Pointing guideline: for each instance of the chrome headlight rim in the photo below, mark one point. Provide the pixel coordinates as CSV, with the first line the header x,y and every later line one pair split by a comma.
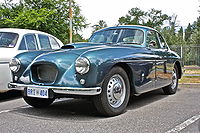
x,y
82,65
15,65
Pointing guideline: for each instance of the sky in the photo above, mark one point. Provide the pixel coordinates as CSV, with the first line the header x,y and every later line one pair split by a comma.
x,y
111,10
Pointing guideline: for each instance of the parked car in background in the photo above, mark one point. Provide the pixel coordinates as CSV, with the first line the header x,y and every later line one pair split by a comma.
x,y
116,62
15,41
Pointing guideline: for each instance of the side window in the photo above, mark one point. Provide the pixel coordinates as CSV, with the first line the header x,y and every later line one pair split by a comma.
x,y
28,42
54,43
22,45
152,39
31,42
162,41
44,41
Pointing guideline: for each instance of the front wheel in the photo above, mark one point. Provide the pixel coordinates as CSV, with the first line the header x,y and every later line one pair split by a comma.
x,y
115,93
172,88
38,102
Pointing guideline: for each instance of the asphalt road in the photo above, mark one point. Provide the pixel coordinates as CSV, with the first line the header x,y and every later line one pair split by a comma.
x,y
151,112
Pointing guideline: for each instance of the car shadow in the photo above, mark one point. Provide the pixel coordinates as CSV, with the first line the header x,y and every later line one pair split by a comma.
x,y
10,95
82,110
142,100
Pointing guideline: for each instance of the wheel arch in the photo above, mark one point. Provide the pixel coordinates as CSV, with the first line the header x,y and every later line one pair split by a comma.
x,y
178,64
129,73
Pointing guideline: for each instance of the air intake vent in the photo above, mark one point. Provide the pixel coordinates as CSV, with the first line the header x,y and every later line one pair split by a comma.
x,y
44,73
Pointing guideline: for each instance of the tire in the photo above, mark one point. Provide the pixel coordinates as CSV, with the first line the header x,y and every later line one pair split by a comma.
x,y
115,93
172,88
38,102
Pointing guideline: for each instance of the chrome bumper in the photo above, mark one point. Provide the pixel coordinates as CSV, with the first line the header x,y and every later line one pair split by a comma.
x,y
60,90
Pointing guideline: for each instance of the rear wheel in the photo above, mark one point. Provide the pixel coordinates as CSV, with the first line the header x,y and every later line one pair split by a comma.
x,y
115,93
38,102
172,88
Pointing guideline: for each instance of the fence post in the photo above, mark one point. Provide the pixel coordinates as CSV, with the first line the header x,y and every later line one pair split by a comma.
x,y
181,51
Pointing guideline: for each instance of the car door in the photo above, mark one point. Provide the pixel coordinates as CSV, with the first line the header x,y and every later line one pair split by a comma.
x,y
142,59
154,40
144,69
167,67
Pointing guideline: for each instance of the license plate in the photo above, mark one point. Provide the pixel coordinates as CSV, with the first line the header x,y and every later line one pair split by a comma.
x,y
37,92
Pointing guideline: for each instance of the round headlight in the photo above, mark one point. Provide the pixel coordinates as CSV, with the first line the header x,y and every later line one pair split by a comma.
x,y
82,65
14,65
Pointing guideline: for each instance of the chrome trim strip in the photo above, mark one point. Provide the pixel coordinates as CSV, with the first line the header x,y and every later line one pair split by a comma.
x,y
142,60
60,90
4,62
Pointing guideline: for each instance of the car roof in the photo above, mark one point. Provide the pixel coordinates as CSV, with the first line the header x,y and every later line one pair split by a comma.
x,y
22,31
129,27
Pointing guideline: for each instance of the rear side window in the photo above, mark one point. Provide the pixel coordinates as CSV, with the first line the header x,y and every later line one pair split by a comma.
x,y
44,41
22,45
31,42
28,42
54,43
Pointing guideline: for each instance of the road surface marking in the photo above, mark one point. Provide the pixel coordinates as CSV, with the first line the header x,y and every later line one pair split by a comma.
x,y
185,124
4,111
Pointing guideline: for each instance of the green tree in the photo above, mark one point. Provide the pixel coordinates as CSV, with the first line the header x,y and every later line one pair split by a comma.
x,y
51,16
155,18
195,32
152,18
180,32
100,25
188,33
135,16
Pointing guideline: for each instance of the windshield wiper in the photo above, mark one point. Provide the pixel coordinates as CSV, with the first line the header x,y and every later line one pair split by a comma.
x,y
129,43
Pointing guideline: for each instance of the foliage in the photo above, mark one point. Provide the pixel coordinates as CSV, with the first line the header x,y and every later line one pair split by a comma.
x,y
135,16
100,25
155,18
51,16
152,18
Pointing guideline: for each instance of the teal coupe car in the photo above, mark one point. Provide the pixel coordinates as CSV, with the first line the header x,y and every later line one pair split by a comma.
x,y
116,63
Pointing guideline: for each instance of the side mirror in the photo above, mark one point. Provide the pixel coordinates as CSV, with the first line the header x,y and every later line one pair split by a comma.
x,y
164,46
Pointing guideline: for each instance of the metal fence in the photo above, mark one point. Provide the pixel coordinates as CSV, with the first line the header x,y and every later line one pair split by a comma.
x,y
190,54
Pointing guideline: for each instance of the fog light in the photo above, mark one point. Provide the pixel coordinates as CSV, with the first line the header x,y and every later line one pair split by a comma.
x,y
82,81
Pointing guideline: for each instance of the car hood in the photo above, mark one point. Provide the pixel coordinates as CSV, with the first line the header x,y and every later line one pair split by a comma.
x,y
69,51
66,56
73,51
82,48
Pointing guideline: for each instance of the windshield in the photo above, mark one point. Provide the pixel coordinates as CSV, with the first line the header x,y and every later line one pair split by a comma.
x,y
8,39
125,36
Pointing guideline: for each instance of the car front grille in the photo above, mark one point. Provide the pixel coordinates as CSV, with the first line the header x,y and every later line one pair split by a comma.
x,y
44,73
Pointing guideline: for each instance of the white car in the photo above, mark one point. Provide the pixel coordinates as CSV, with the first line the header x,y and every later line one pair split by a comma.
x,y
14,41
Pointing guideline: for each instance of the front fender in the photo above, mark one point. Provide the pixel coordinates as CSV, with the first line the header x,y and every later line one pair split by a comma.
x,y
26,59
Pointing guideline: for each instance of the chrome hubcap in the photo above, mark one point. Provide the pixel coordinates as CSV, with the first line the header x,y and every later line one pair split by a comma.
x,y
174,79
116,90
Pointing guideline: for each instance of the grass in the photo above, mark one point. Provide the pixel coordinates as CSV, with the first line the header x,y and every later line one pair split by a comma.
x,y
192,71
190,79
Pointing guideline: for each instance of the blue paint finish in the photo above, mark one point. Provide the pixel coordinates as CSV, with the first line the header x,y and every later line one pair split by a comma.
x,y
148,71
